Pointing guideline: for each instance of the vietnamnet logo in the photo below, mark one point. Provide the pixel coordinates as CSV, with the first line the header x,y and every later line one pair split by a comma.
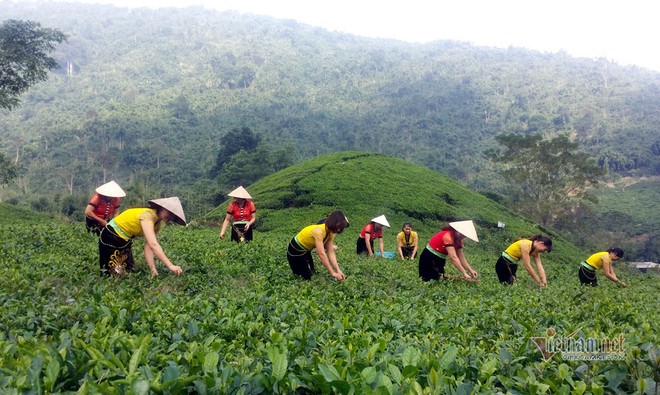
x,y
574,348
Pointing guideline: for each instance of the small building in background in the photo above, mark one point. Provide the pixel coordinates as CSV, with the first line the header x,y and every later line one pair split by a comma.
x,y
645,266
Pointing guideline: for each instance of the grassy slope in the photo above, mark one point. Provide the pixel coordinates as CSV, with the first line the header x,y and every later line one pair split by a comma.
x,y
12,214
639,202
366,185
628,214
238,321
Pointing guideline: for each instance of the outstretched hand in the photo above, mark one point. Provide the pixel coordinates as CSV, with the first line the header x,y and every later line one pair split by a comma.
x,y
462,278
339,276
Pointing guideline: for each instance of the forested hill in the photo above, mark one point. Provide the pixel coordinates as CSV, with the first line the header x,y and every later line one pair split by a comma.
x,y
145,97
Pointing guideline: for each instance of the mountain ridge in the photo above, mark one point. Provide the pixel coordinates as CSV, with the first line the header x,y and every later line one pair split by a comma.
x,y
152,95
205,72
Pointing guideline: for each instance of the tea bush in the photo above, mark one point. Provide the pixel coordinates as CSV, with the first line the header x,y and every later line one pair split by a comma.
x,y
237,321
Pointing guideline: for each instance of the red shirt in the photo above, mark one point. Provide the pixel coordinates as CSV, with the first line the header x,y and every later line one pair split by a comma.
x,y
439,244
241,213
370,229
104,207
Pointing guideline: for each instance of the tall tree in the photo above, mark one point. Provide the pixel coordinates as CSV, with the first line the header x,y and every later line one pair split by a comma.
x,y
233,142
7,170
550,178
244,167
24,60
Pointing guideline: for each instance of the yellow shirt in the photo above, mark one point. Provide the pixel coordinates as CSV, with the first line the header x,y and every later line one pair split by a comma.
x,y
308,236
401,237
515,250
128,224
598,259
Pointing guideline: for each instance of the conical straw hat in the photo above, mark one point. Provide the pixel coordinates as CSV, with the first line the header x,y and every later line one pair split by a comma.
x,y
240,193
381,220
466,228
111,189
173,205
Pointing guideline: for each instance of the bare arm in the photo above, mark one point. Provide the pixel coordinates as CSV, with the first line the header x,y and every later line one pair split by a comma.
x,y
89,212
381,246
452,254
465,264
151,248
525,259
252,219
367,241
149,257
398,246
225,223
332,257
327,256
414,253
539,268
608,270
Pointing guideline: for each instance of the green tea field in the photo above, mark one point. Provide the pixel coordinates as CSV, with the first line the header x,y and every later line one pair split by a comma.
x,y
238,322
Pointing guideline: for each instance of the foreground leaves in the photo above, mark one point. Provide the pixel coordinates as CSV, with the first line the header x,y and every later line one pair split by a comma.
x,y
238,322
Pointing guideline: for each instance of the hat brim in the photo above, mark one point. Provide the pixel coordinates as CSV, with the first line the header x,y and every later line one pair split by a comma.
x,y
466,228
176,219
381,220
240,193
111,189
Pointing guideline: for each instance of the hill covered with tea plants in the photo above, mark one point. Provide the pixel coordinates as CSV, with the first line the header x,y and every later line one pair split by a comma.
x,y
365,185
237,321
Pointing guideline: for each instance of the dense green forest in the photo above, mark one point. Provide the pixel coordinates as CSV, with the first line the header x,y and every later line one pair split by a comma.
x,y
148,97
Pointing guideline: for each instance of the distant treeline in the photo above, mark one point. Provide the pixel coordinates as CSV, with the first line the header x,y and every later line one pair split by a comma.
x,y
146,97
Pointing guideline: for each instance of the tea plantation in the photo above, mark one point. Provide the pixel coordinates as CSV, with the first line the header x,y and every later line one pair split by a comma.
x,y
238,322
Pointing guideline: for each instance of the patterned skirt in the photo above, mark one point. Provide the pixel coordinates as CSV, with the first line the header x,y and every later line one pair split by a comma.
x,y
115,253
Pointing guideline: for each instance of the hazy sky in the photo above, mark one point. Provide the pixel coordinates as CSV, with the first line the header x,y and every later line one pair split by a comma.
x,y
623,31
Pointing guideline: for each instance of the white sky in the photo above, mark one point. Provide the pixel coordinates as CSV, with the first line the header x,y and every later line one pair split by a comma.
x,y
626,32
